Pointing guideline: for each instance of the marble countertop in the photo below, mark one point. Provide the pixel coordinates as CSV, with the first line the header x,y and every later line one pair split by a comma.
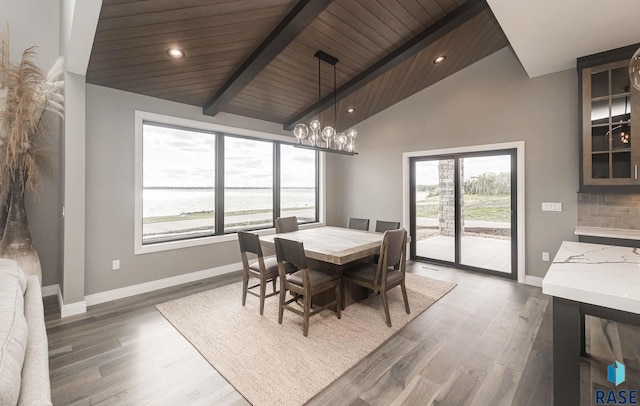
x,y
602,275
623,233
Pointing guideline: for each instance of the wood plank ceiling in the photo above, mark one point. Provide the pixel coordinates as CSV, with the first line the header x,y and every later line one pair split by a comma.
x,y
129,52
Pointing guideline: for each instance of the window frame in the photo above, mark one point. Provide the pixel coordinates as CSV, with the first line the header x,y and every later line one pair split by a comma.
x,y
221,131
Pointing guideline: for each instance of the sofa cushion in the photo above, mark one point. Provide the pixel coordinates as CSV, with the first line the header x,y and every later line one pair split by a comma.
x,y
35,388
13,338
11,268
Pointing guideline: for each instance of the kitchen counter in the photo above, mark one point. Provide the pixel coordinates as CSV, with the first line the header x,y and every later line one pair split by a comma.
x,y
602,275
587,279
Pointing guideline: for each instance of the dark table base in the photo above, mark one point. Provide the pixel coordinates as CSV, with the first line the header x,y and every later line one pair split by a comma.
x,y
350,293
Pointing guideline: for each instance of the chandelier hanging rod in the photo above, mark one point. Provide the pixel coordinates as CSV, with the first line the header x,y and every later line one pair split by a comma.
x,y
325,57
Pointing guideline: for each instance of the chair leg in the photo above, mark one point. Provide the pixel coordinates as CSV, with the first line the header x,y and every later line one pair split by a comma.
x,y
263,293
307,311
274,284
386,307
283,292
343,286
338,300
404,296
245,286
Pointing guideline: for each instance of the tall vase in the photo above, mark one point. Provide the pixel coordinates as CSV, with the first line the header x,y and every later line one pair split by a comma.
x,y
16,242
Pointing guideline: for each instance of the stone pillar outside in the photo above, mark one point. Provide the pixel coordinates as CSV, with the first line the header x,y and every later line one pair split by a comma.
x,y
446,206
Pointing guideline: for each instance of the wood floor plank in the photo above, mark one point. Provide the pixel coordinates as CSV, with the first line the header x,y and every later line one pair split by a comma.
x,y
519,345
445,361
458,391
498,388
420,391
535,384
395,379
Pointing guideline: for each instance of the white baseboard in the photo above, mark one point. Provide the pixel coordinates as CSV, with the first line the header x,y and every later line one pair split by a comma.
x,y
109,295
68,310
51,290
71,309
533,280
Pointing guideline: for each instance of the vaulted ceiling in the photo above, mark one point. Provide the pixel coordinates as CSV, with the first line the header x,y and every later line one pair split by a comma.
x,y
256,57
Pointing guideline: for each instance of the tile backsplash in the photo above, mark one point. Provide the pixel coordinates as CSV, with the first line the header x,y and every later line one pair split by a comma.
x,y
609,210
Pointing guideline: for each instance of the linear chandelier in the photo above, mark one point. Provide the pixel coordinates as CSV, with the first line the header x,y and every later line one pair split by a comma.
x,y
333,142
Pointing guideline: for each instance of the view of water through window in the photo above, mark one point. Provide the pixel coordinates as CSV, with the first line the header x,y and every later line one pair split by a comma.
x,y
179,177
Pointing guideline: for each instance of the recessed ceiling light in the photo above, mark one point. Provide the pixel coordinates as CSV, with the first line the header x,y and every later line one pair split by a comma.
x,y
351,110
439,59
175,53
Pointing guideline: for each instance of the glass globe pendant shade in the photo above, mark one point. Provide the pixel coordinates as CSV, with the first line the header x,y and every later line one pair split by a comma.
x,y
314,138
340,141
300,131
634,70
351,134
315,125
327,134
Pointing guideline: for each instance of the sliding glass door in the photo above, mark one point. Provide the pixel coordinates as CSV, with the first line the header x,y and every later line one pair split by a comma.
x,y
463,210
434,217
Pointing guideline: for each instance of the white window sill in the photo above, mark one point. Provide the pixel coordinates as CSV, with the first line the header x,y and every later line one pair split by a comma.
x,y
195,242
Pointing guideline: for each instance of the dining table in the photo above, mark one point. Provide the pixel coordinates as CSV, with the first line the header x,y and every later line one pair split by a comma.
x,y
330,249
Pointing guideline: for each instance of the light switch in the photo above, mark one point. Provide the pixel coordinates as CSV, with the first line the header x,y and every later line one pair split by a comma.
x,y
551,206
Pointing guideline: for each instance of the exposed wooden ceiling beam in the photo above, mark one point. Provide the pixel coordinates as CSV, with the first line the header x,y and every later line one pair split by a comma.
x,y
443,26
293,24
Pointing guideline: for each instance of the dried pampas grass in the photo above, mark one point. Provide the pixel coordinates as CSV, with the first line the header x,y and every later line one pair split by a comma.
x,y
27,99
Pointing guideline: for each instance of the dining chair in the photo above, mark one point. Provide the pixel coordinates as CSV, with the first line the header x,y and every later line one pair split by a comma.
x,y
358,224
382,226
286,224
388,273
306,282
266,270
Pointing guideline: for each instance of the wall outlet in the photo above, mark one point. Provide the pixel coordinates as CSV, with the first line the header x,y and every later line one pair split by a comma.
x,y
545,256
551,206
116,264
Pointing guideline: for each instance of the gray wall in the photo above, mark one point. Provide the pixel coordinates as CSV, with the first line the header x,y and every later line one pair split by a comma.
x,y
110,193
489,102
36,23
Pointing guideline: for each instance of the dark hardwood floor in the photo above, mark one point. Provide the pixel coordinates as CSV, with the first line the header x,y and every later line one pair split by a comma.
x,y
488,342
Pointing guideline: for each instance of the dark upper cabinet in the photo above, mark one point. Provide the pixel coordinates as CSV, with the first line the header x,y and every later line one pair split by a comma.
x,y
610,123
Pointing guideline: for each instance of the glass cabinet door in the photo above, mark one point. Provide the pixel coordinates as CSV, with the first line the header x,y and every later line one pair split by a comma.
x,y
610,155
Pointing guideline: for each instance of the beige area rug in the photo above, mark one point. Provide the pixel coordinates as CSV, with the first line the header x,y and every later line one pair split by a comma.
x,y
273,364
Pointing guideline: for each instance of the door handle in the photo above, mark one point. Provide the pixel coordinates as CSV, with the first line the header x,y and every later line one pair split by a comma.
x,y
636,171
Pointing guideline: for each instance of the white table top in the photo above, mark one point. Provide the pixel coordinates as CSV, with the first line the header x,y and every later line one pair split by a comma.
x,y
335,245
602,275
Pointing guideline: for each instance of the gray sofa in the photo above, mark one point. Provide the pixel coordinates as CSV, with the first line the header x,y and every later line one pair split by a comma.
x,y
24,359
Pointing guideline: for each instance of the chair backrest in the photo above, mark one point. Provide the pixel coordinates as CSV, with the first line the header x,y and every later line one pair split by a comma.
x,y
382,226
290,251
393,253
286,224
249,242
358,224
